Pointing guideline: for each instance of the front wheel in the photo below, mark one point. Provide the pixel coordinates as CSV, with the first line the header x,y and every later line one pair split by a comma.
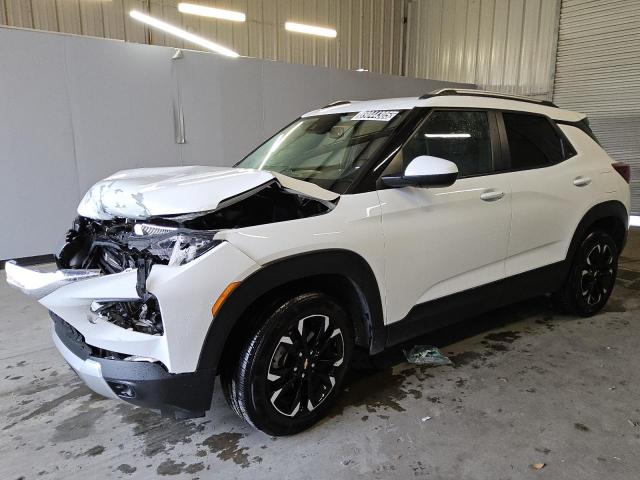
x,y
592,275
289,372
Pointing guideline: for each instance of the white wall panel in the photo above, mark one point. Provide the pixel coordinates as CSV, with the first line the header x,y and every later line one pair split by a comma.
x,y
122,113
221,100
598,73
39,191
503,45
82,108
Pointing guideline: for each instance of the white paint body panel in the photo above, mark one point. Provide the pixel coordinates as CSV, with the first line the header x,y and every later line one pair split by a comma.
x,y
146,192
441,241
547,206
354,224
185,294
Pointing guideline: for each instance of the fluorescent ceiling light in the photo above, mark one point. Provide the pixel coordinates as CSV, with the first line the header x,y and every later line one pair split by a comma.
x,y
211,12
310,29
362,70
178,32
447,135
634,221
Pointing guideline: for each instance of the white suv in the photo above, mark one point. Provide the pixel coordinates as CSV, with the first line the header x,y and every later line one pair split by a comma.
x,y
358,226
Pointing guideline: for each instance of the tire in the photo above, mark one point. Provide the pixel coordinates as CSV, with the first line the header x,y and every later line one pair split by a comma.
x,y
289,372
592,275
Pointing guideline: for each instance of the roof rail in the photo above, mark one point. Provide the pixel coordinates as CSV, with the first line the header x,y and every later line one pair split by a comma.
x,y
484,93
337,102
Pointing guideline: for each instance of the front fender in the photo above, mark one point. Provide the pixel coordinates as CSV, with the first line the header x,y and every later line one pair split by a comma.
x,y
275,274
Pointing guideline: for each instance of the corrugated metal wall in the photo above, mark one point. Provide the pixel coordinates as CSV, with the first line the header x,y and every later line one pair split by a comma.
x,y
502,45
370,32
598,73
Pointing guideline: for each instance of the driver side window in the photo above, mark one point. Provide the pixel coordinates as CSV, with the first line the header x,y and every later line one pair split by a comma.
x,y
462,137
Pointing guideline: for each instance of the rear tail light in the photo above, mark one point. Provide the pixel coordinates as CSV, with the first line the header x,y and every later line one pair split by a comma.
x,y
623,169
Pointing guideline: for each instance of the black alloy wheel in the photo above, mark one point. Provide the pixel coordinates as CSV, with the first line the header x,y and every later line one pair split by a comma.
x,y
592,275
290,370
303,368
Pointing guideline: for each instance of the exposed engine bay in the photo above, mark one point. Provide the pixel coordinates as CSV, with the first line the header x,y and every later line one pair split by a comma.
x,y
118,244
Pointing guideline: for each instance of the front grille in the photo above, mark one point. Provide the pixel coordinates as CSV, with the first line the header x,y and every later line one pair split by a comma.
x,y
74,341
70,337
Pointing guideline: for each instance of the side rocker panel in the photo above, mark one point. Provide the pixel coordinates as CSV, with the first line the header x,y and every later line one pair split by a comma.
x,y
343,263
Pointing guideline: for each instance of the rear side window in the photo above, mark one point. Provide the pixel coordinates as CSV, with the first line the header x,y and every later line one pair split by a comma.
x,y
533,142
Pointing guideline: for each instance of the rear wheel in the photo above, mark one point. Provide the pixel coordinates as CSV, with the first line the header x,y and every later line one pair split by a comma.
x,y
592,275
289,372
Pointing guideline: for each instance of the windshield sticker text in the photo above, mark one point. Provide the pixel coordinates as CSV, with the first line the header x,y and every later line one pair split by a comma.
x,y
379,115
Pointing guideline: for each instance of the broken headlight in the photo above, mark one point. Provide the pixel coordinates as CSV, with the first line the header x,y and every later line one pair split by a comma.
x,y
176,246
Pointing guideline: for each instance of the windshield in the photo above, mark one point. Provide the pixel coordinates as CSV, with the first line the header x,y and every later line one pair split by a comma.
x,y
328,150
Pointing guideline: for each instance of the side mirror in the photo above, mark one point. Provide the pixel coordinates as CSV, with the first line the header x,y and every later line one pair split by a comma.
x,y
425,171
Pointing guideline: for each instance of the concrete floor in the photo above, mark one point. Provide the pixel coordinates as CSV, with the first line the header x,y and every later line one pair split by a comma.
x,y
527,386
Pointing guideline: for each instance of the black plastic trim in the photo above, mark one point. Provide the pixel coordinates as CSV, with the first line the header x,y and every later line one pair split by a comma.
x,y
604,210
369,330
179,395
430,316
443,180
453,92
582,125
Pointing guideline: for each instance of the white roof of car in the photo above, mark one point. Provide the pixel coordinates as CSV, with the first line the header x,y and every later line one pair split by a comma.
x,y
473,99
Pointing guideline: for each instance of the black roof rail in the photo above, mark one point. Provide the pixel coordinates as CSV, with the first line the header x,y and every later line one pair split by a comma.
x,y
486,94
337,102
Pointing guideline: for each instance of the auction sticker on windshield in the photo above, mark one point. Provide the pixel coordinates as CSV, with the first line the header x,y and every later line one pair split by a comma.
x,y
379,115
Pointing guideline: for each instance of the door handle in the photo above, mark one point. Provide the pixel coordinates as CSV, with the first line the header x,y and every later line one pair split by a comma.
x,y
581,181
492,196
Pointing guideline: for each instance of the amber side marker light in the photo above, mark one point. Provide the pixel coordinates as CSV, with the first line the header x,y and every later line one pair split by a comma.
x,y
223,296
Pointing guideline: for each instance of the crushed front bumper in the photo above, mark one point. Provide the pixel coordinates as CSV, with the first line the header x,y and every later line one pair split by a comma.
x,y
39,284
145,384
185,295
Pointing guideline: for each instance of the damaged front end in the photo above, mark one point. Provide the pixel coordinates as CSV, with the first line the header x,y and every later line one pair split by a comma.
x,y
131,299
115,245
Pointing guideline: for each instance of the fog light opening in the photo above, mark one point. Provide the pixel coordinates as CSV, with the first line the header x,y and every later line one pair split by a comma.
x,y
122,389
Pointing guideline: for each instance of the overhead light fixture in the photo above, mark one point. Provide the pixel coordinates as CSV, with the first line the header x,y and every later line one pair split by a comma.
x,y
178,32
361,70
447,135
310,29
634,221
211,12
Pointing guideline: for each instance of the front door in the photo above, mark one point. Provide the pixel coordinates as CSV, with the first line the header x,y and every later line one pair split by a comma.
x,y
440,241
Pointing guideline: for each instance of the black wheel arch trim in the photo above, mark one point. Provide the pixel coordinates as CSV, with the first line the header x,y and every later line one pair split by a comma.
x,y
600,211
369,330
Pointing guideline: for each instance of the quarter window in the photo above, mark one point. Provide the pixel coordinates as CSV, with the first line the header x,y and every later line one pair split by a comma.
x,y
459,136
533,142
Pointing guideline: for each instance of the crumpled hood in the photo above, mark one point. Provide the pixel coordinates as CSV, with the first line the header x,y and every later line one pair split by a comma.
x,y
147,192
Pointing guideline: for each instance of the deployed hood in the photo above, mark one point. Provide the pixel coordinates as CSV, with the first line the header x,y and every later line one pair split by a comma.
x,y
147,192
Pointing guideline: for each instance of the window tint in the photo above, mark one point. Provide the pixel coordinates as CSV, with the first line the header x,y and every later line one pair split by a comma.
x,y
461,137
533,142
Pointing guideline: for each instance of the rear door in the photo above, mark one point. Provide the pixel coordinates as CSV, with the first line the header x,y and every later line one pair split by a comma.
x,y
440,241
552,187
